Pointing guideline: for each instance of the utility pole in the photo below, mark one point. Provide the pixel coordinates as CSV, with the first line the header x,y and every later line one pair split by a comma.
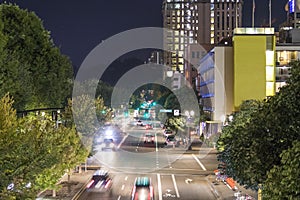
x,y
253,11
270,13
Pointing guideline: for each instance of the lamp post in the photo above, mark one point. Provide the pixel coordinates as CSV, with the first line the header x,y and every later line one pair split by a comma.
x,y
58,119
189,115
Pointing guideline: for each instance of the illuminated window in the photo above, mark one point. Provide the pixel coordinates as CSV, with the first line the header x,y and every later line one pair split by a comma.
x,y
270,58
270,73
270,89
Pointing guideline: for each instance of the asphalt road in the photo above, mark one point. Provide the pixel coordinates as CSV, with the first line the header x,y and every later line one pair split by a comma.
x,y
175,172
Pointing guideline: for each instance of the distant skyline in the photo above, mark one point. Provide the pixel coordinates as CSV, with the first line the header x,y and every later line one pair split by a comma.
x,y
77,27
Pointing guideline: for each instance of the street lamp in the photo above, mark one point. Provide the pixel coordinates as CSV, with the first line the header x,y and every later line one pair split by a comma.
x,y
189,115
58,119
170,73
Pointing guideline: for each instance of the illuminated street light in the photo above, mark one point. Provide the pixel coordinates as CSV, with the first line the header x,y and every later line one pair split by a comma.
x,y
169,74
189,115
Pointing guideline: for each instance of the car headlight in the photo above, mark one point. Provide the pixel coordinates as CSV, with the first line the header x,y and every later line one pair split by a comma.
x,y
109,132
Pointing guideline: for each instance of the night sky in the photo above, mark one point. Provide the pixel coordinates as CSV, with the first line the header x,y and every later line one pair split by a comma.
x,y
78,26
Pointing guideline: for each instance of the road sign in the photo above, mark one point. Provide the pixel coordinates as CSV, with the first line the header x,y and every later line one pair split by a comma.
x,y
165,110
176,113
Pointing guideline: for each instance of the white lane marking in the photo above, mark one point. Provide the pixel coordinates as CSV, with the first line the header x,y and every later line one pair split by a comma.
x,y
123,186
175,186
159,187
119,197
156,148
124,138
198,161
126,178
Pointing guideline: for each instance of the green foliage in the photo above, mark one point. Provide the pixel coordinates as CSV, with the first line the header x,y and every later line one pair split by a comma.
x,y
82,116
175,123
238,146
252,143
103,112
104,90
34,151
172,102
32,69
283,180
147,92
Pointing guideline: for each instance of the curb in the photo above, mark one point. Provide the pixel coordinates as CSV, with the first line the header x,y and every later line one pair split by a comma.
x,y
214,190
77,195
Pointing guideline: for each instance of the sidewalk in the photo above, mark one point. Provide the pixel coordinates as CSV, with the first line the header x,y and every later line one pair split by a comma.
x,y
224,192
220,189
68,189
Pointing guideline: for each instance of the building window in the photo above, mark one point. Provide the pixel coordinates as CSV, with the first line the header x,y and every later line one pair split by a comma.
x,y
193,54
269,43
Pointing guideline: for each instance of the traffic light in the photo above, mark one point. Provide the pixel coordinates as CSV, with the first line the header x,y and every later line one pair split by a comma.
x,y
146,114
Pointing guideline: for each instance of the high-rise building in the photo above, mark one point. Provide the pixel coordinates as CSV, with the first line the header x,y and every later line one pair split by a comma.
x,y
294,12
226,15
188,22
202,22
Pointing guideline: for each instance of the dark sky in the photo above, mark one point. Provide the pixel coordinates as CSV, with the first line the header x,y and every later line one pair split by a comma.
x,y
78,26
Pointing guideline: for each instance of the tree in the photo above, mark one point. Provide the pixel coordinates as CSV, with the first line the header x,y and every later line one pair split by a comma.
x,y
283,180
33,70
237,145
83,116
35,152
104,90
252,143
172,103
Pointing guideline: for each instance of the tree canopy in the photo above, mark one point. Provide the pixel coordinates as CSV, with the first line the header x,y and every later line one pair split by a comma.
x,y
283,180
34,151
252,143
32,68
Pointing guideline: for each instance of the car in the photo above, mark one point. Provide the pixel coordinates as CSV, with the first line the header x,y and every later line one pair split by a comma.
x,y
168,132
100,181
149,126
97,140
142,189
149,138
108,144
139,123
171,141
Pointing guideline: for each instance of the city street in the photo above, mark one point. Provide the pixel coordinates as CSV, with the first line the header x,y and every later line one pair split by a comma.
x,y
175,172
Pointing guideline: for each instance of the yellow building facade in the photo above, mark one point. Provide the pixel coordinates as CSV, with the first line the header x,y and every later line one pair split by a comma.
x,y
254,64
